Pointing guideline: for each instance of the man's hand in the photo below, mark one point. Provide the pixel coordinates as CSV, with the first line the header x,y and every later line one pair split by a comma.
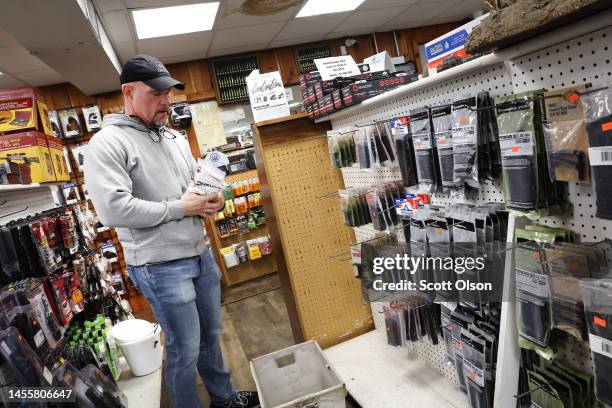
x,y
202,205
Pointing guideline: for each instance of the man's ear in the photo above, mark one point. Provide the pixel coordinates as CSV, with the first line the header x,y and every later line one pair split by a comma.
x,y
127,90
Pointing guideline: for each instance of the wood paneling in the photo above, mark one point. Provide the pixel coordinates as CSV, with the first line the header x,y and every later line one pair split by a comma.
x,y
386,42
363,49
288,65
267,61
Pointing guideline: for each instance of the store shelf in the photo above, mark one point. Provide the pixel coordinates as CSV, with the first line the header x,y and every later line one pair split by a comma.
x,y
550,39
20,187
380,376
240,236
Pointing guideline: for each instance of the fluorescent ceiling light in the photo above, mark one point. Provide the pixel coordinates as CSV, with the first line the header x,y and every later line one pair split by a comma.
x,y
160,22
315,7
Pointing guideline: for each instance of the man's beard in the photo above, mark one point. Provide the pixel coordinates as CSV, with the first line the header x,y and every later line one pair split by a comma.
x,y
160,122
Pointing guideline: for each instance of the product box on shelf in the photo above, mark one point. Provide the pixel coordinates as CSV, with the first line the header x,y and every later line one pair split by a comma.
x,y
23,109
30,148
309,96
337,98
361,91
450,45
310,111
322,88
60,166
309,79
326,104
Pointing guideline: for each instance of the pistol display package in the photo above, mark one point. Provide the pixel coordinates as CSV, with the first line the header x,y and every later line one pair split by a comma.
x,y
424,151
598,115
405,151
565,136
442,122
465,142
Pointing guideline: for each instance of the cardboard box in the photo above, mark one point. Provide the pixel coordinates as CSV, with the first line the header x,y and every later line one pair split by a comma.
x,y
326,104
23,109
56,150
310,110
451,44
309,96
308,79
361,91
322,88
337,98
31,146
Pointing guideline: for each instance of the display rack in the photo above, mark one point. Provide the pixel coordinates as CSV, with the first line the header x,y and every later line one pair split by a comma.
x,y
251,269
20,200
306,56
575,54
230,78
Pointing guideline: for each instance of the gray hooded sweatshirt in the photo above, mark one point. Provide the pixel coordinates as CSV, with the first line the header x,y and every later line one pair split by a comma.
x,y
136,183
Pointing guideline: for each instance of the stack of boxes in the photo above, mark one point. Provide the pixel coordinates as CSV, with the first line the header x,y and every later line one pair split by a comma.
x,y
29,153
324,97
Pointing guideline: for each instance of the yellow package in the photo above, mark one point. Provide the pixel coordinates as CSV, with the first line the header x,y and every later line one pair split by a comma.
x,y
29,148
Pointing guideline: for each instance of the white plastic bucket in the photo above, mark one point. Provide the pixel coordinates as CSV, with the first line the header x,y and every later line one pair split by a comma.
x,y
139,341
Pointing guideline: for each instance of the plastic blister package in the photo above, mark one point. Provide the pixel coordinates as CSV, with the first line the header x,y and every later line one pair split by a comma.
x,y
427,169
342,148
404,148
442,122
598,116
465,142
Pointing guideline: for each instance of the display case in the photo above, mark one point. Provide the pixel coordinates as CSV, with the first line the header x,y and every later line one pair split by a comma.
x,y
306,56
230,78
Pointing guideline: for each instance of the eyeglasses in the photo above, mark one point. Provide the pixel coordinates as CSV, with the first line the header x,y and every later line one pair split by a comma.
x,y
156,135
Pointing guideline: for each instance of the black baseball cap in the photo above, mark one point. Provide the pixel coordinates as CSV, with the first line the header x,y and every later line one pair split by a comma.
x,y
149,70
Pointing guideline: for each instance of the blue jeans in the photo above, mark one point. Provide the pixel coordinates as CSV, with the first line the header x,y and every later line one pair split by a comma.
x,y
185,296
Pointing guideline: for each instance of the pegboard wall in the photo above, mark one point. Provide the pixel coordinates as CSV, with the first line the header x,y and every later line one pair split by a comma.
x,y
326,293
584,59
16,204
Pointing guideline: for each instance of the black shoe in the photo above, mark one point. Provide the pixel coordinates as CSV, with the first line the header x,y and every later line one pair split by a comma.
x,y
244,399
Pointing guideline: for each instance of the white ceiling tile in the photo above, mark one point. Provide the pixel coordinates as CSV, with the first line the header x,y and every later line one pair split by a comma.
x,y
7,81
447,19
125,51
294,41
41,77
306,26
370,18
230,15
421,12
108,5
375,4
181,44
237,50
464,8
117,25
186,57
235,37
349,33
18,59
7,40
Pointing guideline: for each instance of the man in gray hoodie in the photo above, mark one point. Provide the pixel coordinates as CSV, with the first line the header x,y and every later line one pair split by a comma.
x,y
137,172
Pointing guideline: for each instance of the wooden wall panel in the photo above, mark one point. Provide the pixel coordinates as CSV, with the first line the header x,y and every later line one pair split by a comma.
x,y
386,42
288,65
267,61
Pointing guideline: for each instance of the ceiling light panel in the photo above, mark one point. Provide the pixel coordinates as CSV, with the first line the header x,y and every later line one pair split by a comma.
x,y
316,7
165,21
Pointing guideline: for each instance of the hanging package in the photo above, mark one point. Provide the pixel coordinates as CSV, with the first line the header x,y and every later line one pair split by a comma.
x,y
420,127
515,116
465,142
474,366
441,119
598,115
565,136
405,151
597,297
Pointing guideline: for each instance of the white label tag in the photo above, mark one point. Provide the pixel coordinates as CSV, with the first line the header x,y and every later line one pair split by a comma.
x,y
600,345
533,283
39,338
516,144
421,141
333,67
48,376
464,135
600,156
473,373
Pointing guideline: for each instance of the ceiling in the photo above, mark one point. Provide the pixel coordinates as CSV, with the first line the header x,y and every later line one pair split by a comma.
x,y
233,32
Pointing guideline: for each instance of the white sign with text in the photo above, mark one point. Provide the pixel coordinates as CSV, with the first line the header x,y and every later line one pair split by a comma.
x,y
267,96
333,67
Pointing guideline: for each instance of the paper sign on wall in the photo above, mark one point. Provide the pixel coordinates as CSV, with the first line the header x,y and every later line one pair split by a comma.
x,y
267,96
333,67
380,62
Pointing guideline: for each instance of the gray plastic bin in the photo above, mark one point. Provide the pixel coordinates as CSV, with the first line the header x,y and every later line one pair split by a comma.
x,y
298,377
